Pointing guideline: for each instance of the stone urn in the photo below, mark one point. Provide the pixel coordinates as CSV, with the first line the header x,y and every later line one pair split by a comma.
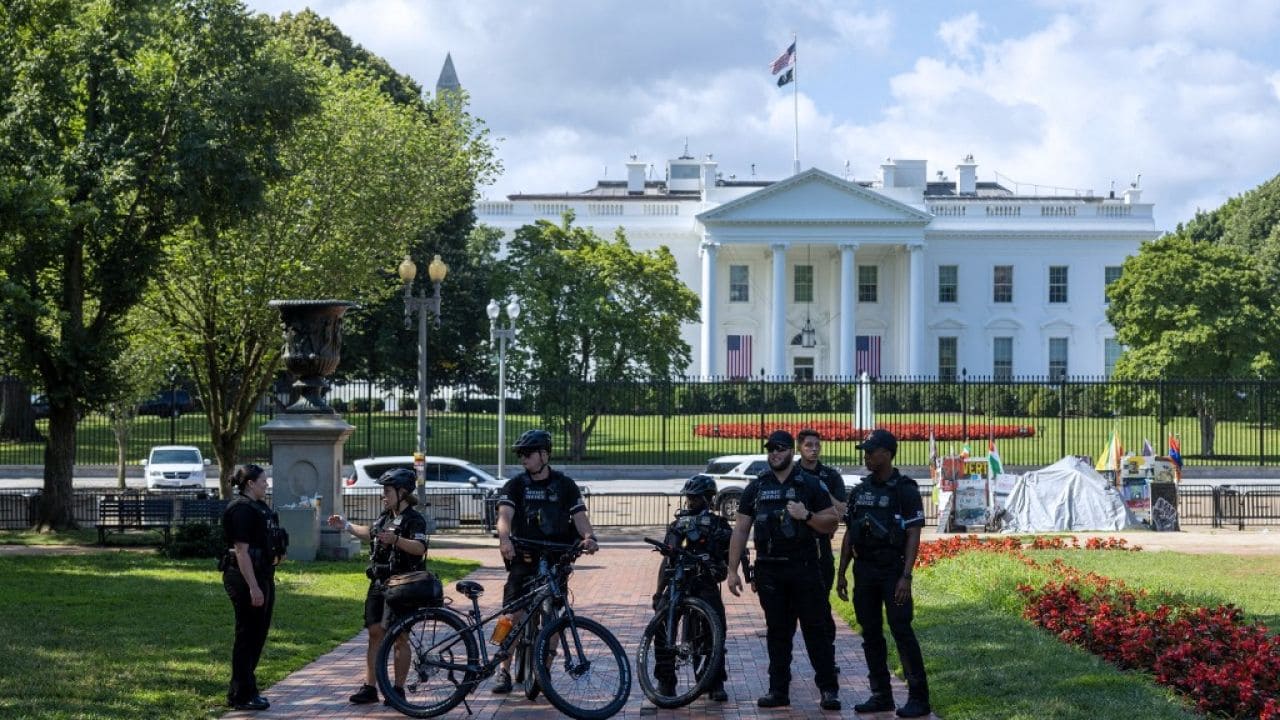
x,y
312,348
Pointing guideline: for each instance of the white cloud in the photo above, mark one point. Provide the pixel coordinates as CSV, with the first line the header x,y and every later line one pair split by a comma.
x,y
961,34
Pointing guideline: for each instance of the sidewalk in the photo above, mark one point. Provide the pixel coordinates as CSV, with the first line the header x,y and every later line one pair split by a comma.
x,y
614,587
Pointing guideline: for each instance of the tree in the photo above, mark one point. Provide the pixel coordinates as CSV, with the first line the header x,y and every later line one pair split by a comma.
x,y
594,313
1197,310
362,176
145,358
120,121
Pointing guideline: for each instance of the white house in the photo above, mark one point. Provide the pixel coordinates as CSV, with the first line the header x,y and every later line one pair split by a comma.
x,y
817,276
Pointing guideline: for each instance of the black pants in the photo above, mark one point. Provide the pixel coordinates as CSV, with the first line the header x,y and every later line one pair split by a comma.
x,y
251,630
827,566
664,665
873,590
791,592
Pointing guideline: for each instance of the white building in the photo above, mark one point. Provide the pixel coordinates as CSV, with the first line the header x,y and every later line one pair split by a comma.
x,y
815,275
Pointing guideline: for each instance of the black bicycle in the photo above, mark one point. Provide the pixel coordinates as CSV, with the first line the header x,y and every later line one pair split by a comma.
x,y
683,645
575,661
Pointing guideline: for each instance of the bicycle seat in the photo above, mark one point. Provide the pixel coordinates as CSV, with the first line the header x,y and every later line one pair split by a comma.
x,y
471,589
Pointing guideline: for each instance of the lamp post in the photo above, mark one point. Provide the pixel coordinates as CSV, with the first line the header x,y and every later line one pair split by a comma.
x,y
423,305
502,335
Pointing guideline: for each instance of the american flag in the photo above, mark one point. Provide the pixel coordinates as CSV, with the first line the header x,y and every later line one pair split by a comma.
x,y
867,355
784,60
739,356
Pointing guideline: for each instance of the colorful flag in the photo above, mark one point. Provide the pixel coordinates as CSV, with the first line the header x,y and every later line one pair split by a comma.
x,y
1175,451
964,452
995,467
786,77
784,61
1148,453
1110,458
866,355
738,360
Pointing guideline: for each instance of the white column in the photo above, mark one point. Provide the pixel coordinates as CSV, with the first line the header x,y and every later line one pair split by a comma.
x,y
710,364
915,311
848,308
778,356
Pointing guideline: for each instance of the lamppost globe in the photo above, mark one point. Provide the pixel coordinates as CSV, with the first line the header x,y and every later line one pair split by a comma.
x,y
407,270
437,270
492,309
513,310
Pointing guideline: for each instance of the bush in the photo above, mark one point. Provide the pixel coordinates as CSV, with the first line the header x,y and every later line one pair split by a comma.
x,y
1044,402
364,405
339,405
195,540
408,404
437,405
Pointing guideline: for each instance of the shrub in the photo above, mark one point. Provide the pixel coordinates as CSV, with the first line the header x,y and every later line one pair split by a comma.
x,y
195,540
408,404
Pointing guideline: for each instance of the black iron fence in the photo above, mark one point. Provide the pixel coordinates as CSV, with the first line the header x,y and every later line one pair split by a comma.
x,y
1033,421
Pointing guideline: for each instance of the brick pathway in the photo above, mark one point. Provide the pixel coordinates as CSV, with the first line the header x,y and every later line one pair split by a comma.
x,y
614,587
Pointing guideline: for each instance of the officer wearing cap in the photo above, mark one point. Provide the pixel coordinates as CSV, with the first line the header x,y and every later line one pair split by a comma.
x,y
787,509
398,545
883,536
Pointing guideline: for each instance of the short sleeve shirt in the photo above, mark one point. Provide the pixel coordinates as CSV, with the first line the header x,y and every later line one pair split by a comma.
x,y
246,521
543,510
900,504
765,500
409,524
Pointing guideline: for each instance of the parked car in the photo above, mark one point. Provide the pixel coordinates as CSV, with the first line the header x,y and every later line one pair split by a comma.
x,y
40,406
444,475
175,466
733,472
169,402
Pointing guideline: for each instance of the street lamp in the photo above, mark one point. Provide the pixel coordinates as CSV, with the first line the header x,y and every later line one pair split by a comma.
x,y
503,335
423,305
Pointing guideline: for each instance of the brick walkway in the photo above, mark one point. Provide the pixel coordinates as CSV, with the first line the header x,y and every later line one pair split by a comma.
x,y
614,587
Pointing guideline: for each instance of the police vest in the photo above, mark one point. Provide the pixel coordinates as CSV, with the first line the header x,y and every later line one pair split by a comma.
x,y
408,524
544,508
875,516
778,535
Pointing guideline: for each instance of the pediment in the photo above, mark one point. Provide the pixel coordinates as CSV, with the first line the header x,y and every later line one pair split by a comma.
x,y
815,196
948,324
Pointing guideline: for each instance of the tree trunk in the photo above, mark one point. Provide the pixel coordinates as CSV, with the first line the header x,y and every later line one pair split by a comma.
x,y
121,424
226,447
55,511
1208,429
17,420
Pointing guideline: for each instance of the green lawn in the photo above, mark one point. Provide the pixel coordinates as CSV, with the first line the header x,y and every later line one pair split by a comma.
x,y
655,440
986,663
133,635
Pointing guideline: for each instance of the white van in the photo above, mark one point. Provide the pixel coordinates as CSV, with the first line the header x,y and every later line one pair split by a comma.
x,y
170,467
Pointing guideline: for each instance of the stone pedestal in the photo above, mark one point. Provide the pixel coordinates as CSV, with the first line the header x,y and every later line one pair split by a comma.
x,y
303,526
306,460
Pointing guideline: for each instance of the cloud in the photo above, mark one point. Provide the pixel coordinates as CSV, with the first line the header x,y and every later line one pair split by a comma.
x,y
961,34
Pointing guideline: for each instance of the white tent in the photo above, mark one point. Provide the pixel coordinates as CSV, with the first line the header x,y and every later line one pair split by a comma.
x,y
1067,496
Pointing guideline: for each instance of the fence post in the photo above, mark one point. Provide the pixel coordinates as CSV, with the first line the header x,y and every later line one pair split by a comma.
x,y
466,423
1164,433
664,408
1062,416
1262,435
368,417
964,403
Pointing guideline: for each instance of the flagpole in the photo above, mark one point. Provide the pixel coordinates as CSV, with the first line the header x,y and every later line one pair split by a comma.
x,y
795,102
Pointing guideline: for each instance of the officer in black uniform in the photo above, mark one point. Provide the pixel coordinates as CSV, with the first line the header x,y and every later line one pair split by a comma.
x,y
398,545
883,536
787,509
248,575
701,531
831,480
538,504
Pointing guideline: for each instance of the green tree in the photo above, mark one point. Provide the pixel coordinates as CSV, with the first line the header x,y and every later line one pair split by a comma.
x,y
119,121
594,313
1253,226
139,368
362,176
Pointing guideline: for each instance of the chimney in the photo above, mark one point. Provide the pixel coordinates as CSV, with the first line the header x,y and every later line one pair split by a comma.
x,y
635,176
967,176
708,175
887,172
1133,195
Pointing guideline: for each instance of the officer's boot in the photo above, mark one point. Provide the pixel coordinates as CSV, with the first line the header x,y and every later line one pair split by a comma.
x,y
917,699
881,699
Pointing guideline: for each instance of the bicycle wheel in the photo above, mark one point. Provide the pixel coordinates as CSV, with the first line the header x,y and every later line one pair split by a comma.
x,y
529,678
690,656
427,640
588,676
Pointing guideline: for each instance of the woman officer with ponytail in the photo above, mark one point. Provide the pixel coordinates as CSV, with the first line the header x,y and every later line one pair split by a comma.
x,y
248,575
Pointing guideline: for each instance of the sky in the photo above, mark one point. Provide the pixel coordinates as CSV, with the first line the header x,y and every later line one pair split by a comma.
x,y
1072,94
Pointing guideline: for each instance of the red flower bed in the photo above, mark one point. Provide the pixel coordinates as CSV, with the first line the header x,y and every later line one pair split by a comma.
x,y
837,430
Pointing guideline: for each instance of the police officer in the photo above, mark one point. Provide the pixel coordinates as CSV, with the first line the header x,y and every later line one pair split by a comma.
x,y
248,575
787,510
538,504
883,537
701,531
831,481
398,545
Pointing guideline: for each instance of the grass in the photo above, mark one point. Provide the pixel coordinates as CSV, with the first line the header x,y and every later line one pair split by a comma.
x,y
655,440
129,635
985,662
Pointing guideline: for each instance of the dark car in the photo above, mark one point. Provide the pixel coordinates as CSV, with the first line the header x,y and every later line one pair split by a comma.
x,y
169,402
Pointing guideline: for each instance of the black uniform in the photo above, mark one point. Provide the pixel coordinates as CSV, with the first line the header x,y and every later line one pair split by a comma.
x,y
831,481
387,560
251,522
698,532
543,510
879,514
787,575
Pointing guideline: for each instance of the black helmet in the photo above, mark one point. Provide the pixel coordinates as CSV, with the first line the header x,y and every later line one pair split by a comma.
x,y
703,485
533,440
401,478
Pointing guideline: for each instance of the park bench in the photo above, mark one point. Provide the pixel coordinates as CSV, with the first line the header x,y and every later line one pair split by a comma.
x,y
117,514
201,511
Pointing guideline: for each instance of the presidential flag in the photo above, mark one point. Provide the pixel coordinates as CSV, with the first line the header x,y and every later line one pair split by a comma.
x,y
787,77
784,61
739,356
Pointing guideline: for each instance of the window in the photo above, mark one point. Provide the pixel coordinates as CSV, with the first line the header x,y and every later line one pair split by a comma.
x,y
685,172
1111,352
1002,358
804,284
1058,284
1110,274
948,282
1057,358
947,358
803,368
739,290
1002,287
867,283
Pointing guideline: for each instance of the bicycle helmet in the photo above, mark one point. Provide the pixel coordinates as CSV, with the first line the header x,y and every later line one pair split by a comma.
x,y
401,478
533,440
703,485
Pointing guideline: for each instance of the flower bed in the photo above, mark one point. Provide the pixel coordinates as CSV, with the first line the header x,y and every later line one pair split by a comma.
x,y
836,430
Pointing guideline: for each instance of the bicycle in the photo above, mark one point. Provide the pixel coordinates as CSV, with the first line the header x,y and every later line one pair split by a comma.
x,y
583,671
686,635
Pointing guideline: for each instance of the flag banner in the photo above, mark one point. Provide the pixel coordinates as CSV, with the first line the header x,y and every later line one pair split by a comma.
x,y
1175,451
739,356
1148,453
866,354
995,466
787,77
784,61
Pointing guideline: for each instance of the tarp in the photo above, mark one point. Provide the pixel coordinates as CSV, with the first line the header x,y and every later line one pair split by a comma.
x,y
1067,496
